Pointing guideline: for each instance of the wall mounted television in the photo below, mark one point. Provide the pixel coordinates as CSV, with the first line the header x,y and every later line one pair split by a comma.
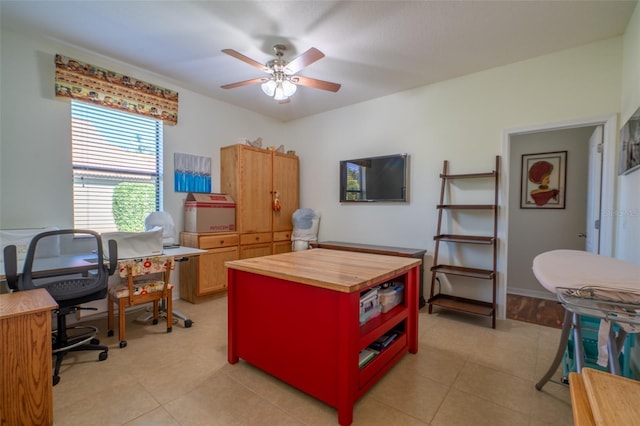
x,y
375,179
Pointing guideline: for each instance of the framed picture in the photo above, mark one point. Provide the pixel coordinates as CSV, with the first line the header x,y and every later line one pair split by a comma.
x,y
630,144
543,180
192,173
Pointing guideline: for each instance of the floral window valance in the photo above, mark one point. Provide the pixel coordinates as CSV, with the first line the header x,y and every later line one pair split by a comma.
x,y
84,82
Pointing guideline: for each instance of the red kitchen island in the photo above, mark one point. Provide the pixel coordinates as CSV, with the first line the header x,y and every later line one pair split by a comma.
x,y
297,317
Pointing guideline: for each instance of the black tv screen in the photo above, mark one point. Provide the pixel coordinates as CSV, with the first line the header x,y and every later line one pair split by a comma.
x,y
374,179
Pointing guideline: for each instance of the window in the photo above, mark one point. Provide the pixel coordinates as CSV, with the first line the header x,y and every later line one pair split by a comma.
x,y
356,180
117,168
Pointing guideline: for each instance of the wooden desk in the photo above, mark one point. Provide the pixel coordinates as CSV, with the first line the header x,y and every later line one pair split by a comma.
x,y
26,383
386,250
72,263
601,398
296,316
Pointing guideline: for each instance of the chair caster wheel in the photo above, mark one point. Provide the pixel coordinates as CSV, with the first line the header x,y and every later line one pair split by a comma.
x,y
123,344
110,333
155,321
188,323
95,342
103,355
56,380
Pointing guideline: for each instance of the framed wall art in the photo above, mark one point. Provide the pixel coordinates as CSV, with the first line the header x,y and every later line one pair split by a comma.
x,y
192,173
630,145
543,180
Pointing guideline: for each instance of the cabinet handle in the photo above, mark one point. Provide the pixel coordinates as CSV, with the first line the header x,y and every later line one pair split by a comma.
x,y
276,202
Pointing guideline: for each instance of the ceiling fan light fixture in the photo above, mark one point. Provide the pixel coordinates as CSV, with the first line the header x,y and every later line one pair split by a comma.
x,y
288,88
269,87
282,81
279,94
278,88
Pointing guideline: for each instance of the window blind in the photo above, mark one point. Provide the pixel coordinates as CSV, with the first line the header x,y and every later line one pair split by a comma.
x,y
117,168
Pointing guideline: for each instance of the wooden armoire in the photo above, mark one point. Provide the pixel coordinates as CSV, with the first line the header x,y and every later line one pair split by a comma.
x,y
265,186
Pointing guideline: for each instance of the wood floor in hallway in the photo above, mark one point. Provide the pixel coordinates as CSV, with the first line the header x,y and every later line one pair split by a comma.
x,y
536,311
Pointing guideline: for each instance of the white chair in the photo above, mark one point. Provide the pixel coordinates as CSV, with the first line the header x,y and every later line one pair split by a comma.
x,y
305,228
162,220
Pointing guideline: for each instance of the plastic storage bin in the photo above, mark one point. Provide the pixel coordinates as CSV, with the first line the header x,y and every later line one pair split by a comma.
x,y
589,329
369,305
391,297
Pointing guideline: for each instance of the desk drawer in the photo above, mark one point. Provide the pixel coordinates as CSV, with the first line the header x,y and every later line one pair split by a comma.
x,y
262,237
282,236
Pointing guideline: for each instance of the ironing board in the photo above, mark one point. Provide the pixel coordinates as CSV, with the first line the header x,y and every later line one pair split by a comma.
x,y
594,285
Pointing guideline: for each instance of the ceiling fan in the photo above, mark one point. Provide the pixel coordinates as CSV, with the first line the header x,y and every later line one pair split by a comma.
x,y
281,83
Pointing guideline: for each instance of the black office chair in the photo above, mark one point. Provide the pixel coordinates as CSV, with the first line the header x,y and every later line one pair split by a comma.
x,y
70,264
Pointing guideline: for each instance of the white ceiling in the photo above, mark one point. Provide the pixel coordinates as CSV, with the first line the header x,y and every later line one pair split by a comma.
x,y
372,48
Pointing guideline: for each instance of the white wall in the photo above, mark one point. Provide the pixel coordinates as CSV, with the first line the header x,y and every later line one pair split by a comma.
x,y
628,210
627,213
36,149
460,120
35,157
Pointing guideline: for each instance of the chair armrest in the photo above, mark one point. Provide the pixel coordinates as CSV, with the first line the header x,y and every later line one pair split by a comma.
x,y
11,266
113,256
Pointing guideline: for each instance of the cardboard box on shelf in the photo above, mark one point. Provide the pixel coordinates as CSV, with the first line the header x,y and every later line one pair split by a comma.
x,y
209,213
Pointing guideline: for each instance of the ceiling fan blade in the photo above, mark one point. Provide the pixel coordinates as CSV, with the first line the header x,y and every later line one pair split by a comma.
x,y
246,59
244,83
304,60
315,83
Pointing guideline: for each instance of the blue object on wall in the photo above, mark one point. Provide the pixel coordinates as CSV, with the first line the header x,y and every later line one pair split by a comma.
x,y
192,173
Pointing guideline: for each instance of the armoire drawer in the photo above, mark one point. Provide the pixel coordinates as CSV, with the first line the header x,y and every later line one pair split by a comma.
x,y
211,241
282,236
260,237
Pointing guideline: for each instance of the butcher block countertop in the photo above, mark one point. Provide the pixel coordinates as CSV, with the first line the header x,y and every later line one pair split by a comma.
x,y
601,398
336,270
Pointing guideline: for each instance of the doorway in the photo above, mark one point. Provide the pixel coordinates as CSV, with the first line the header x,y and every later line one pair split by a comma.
x,y
512,260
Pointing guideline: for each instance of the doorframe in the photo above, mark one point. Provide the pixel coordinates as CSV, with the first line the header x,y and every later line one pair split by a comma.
x,y
609,138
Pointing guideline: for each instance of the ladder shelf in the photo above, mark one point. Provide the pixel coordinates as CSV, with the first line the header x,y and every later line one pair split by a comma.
x,y
471,239
469,306
466,206
451,301
486,274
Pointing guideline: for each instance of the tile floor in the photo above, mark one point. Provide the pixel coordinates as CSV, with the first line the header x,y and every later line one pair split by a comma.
x,y
465,373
